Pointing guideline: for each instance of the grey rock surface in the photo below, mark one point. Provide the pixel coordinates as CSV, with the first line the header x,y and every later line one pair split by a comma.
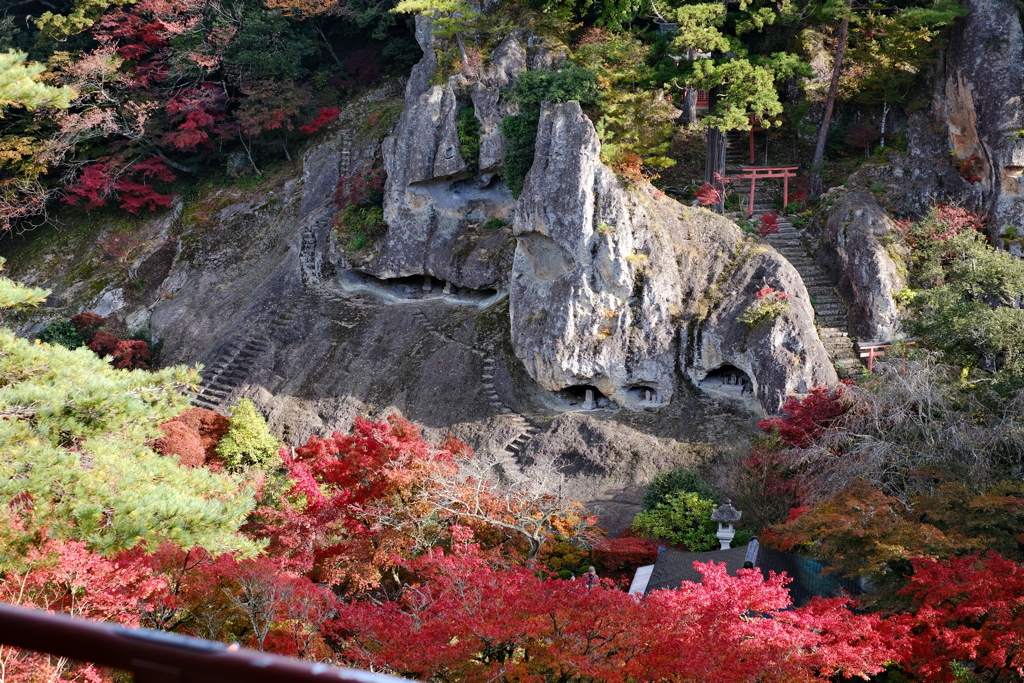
x,y
859,246
436,203
977,96
245,283
618,291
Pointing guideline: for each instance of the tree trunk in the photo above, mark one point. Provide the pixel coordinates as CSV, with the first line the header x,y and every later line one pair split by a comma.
x,y
689,106
714,163
830,101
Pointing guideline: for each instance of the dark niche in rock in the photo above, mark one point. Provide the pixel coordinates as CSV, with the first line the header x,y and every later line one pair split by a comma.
x,y
729,382
584,397
643,396
418,289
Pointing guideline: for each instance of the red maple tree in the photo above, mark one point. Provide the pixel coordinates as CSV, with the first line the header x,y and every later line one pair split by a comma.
x,y
805,418
768,224
461,618
968,610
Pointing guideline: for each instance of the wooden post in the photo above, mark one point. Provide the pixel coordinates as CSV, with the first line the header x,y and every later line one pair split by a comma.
x,y
753,160
753,188
785,190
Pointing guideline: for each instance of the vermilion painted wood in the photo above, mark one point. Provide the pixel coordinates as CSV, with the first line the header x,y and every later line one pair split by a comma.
x,y
159,657
755,173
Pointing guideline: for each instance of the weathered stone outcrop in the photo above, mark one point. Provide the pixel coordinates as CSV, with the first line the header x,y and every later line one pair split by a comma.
x,y
435,201
616,289
860,248
979,96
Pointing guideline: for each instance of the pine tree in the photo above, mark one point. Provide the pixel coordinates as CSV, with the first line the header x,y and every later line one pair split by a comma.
x,y
19,86
74,433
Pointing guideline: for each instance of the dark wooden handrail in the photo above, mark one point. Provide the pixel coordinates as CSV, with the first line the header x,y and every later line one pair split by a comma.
x,y
160,657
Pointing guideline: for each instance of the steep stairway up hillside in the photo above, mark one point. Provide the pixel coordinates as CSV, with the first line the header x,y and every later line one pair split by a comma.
x,y
829,312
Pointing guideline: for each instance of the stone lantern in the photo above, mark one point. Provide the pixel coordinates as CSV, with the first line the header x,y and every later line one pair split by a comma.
x,y
726,515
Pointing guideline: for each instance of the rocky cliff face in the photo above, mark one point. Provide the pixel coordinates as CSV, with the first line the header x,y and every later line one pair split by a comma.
x,y
618,291
860,248
436,202
247,283
979,96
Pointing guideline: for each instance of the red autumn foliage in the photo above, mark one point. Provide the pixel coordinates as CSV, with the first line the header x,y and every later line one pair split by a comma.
x,y
622,553
326,116
773,470
797,512
969,168
768,224
807,417
465,619
88,324
967,609
253,601
125,355
132,354
104,343
769,292
709,193
950,222
197,112
193,437
101,181
183,441
359,187
631,168
64,576
339,483
799,189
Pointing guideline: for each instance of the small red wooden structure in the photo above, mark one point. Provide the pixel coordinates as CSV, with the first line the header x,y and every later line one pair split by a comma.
x,y
754,128
873,350
704,100
755,173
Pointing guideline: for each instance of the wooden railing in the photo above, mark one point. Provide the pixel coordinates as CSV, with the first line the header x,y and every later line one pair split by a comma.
x,y
159,657
872,350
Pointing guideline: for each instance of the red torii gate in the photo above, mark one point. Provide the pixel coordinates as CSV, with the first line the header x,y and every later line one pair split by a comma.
x,y
755,173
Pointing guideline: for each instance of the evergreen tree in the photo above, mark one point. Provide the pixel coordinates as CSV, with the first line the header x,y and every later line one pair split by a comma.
x,y
20,87
74,434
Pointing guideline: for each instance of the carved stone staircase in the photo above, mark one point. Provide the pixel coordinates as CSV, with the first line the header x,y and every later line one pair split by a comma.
x,y
222,379
791,242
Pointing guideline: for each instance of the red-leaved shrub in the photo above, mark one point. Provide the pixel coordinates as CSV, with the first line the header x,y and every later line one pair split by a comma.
x,y
88,324
807,417
625,553
104,343
193,437
130,355
183,441
768,224
326,116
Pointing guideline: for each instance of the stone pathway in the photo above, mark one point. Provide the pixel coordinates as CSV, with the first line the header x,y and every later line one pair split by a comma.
x,y
526,429
791,242
223,378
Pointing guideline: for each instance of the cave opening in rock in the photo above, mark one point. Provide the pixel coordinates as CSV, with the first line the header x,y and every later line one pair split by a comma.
x,y
584,397
417,288
642,393
728,380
